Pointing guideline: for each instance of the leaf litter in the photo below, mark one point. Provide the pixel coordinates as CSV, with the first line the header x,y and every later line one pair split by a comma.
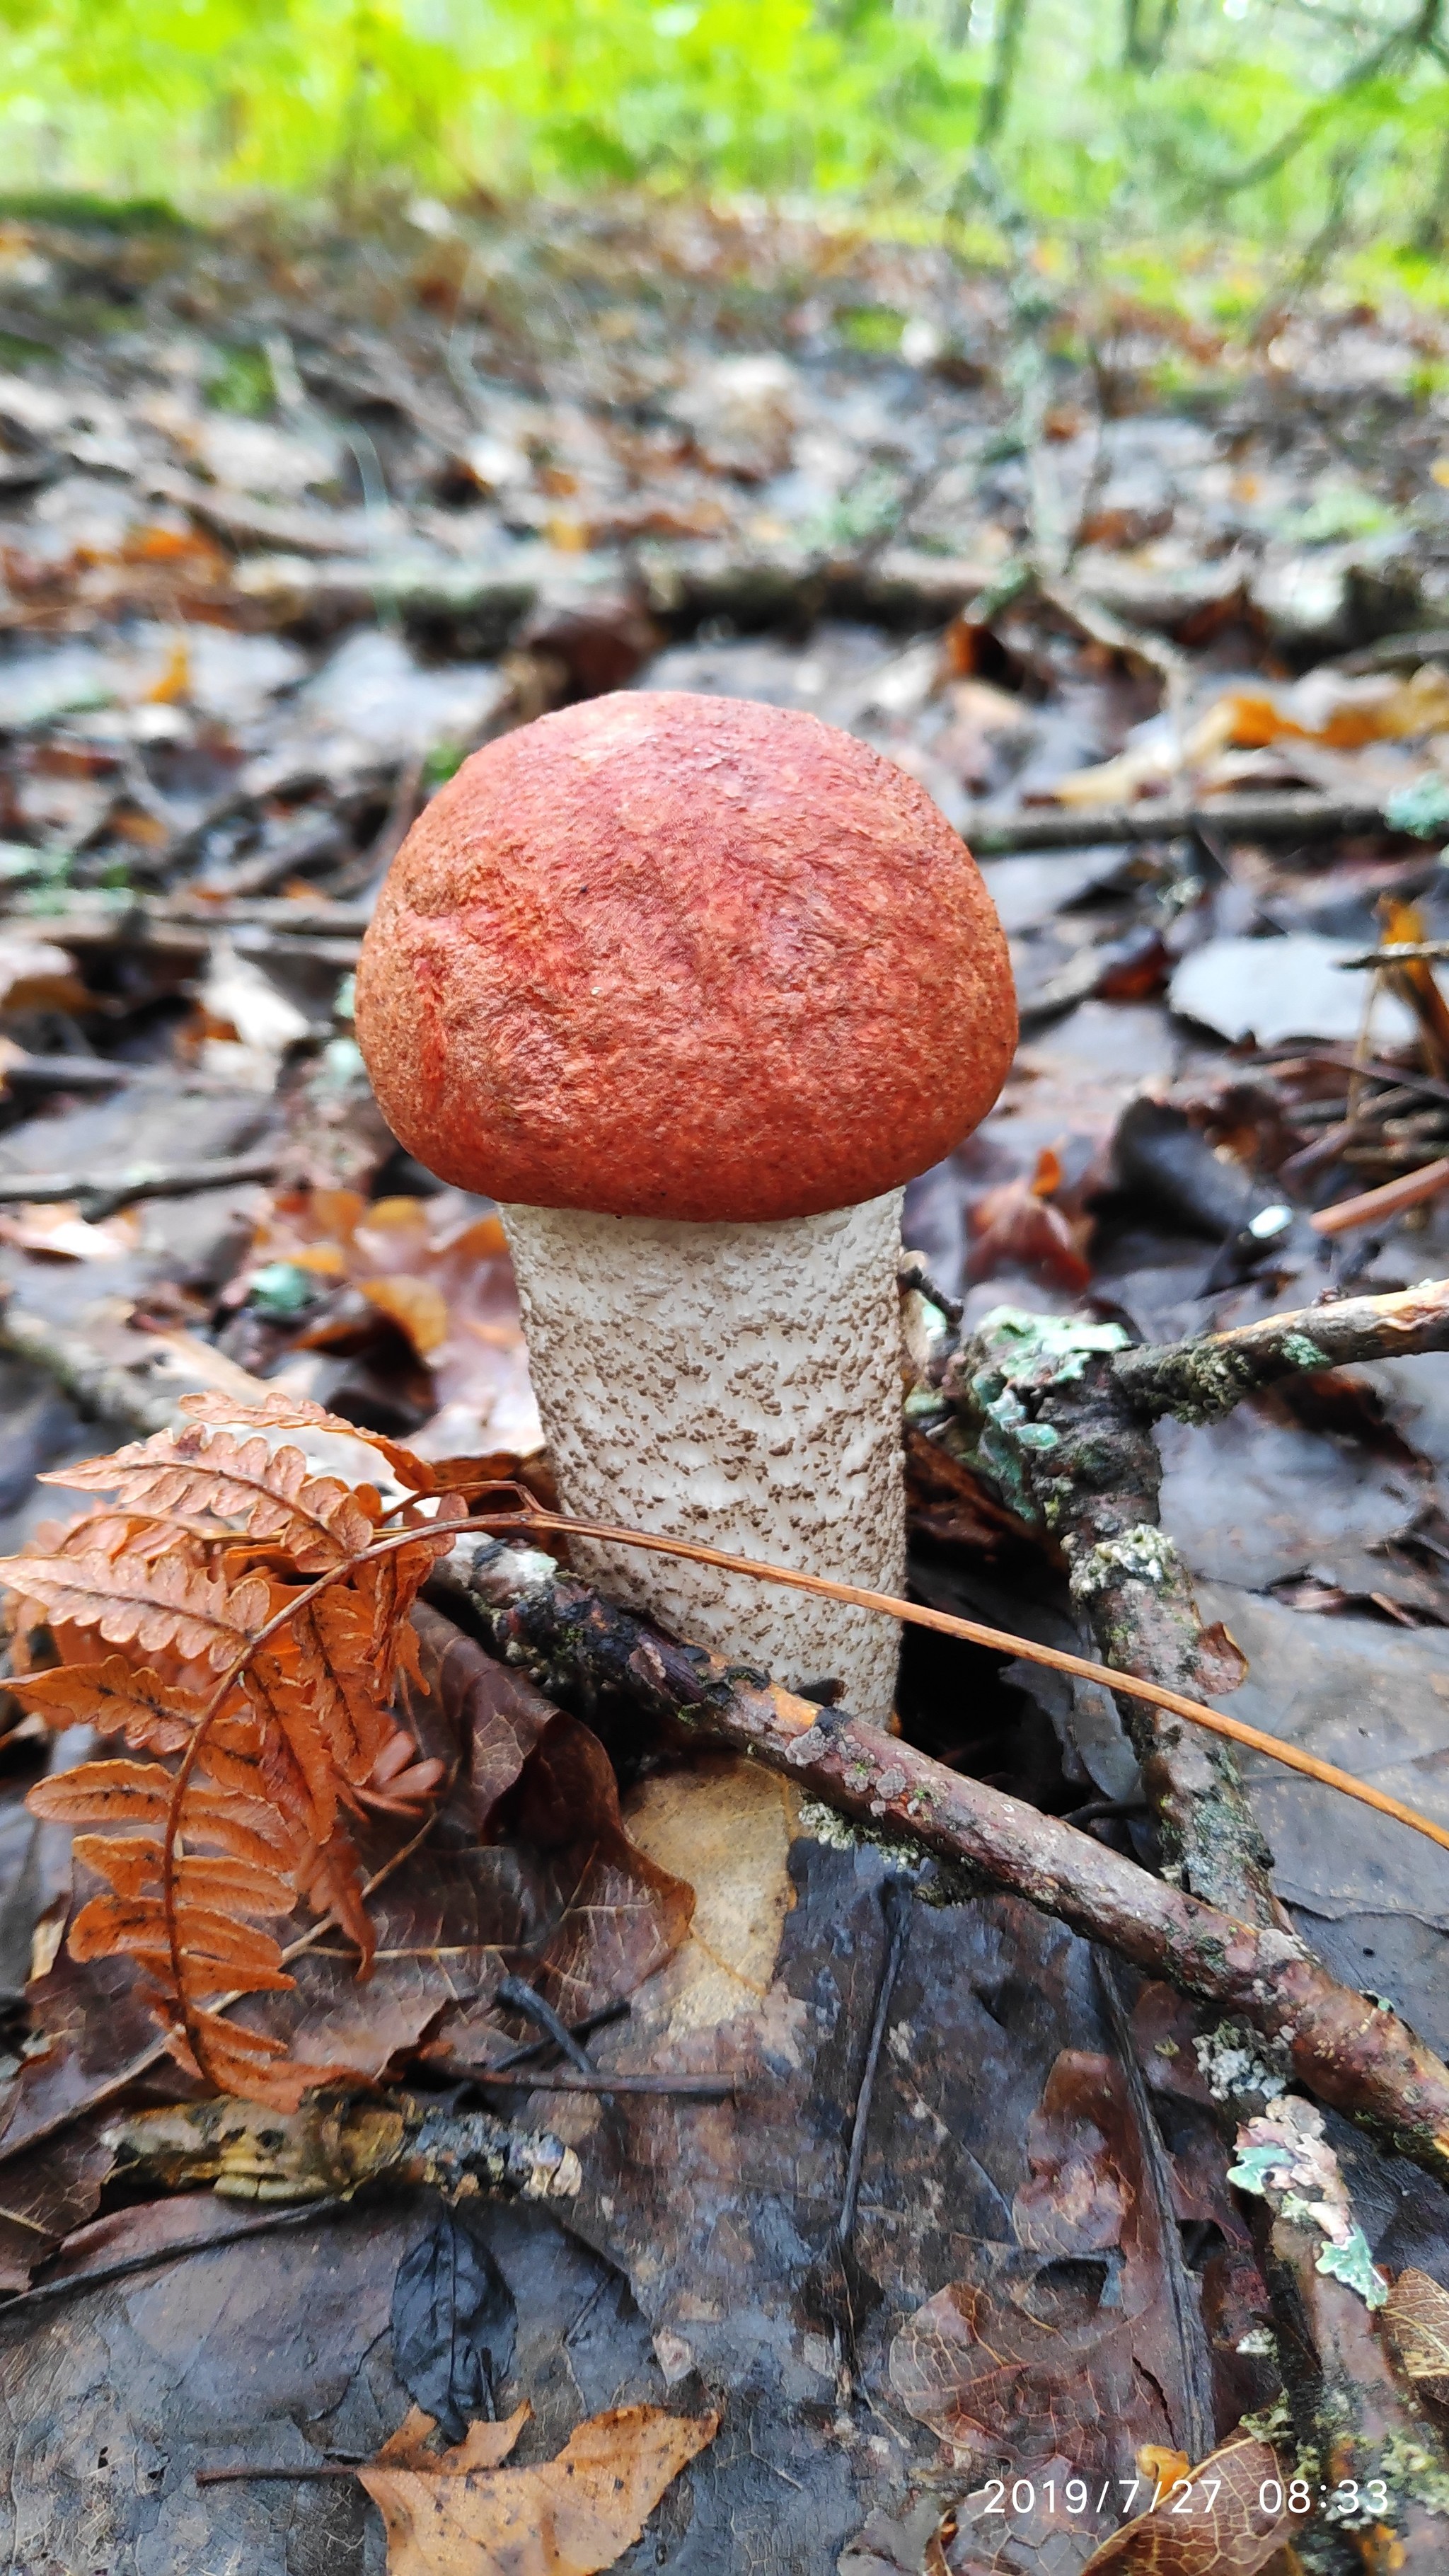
x,y
235,673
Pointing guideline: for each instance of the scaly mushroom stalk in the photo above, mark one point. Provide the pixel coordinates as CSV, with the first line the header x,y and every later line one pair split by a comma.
x,y
686,1386
691,986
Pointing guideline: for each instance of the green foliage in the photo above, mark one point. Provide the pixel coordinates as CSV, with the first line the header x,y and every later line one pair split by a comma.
x,y
243,383
1112,122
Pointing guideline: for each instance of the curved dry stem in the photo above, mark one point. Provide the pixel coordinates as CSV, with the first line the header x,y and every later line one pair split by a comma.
x,y
1002,1639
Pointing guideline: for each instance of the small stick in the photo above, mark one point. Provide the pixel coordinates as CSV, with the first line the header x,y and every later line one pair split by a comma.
x,y
21,1072
1253,818
231,2477
896,1912
101,1193
128,2264
96,1385
1344,1060
558,2079
1363,2060
976,1633
517,1992
618,2010
1399,952
1203,1378
1411,1190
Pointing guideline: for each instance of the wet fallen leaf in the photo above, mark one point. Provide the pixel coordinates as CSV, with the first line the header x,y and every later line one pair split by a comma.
x,y
1212,2524
453,2321
1415,2325
570,2516
550,1886
1272,989
416,1304
242,1002
1046,2350
58,1228
35,974
1017,1228
437,1269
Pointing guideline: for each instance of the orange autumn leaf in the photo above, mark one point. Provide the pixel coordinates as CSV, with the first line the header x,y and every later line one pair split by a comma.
x,y
461,2513
416,1305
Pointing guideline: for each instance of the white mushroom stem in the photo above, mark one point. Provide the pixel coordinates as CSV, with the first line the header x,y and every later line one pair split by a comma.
x,y
740,1385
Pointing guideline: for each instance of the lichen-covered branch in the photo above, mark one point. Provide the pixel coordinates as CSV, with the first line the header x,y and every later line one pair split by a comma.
x,y
1346,2051
1048,1401
1033,1405
1202,1379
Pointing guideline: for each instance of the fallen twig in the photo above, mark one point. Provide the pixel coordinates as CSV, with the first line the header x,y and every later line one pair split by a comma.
x,y
1039,1413
233,2477
1202,1379
101,1194
1399,952
101,1389
1347,2051
896,1915
1346,1059
1394,653
22,1072
531,2050
74,2283
1249,818
1001,1640
184,929
565,2079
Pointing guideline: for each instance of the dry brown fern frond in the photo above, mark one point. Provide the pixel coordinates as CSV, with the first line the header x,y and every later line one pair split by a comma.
x,y
241,1612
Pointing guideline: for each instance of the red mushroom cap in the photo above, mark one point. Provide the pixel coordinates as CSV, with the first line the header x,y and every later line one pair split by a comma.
x,y
668,955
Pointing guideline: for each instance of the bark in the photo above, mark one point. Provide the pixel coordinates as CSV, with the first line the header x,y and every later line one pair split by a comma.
x,y
1360,2422
1202,1379
1348,2052
1054,1430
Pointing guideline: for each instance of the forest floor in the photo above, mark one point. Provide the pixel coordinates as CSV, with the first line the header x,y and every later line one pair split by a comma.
x,y
289,523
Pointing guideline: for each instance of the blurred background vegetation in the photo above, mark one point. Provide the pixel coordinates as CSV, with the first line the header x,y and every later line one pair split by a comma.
x,y
1156,137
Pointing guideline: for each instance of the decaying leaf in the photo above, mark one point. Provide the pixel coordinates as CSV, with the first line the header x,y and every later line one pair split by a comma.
x,y
1016,1228
1415,2323
292,1746
436,1269
219,1532
463,2515
453,2322
1210,2522
1053,2349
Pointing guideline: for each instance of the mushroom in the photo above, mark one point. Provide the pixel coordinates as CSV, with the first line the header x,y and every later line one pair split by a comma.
x,y
692,987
